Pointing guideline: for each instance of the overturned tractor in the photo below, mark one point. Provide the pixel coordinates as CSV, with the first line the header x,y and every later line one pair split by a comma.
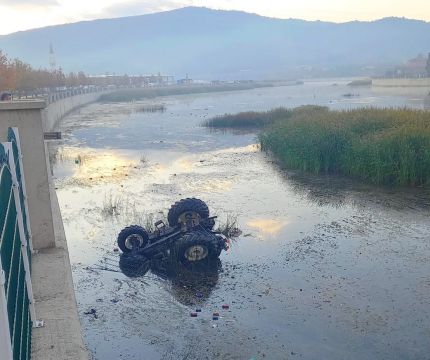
x,y
188,236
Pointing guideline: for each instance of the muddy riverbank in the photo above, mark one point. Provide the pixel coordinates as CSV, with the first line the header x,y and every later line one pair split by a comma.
x,y
325,268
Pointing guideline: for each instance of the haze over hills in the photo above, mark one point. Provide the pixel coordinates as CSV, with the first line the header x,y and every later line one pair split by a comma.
x,y
213,44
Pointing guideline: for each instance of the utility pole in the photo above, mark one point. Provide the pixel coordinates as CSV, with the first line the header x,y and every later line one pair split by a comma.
x,y
428,65
52,62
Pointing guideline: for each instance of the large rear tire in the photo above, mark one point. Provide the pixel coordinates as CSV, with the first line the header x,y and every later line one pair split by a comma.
x,y
132,237
196,248
185,210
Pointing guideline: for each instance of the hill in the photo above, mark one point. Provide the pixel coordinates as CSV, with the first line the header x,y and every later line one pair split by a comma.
x,y
214,44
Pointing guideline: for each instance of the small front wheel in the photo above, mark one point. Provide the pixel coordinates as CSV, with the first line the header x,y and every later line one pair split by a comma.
x,y
132,238
134,265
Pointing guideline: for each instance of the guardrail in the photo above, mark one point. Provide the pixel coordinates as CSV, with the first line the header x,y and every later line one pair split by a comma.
x,y
17,313
62,94
51,96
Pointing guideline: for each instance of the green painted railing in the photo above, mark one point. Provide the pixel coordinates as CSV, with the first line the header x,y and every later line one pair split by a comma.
x,y
13,138
16,305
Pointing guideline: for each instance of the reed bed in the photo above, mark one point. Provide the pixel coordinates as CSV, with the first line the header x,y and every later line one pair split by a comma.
x,y
249,119
381,146
151,108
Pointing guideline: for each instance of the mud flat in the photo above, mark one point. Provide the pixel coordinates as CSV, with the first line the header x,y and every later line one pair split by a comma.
x,y
325,268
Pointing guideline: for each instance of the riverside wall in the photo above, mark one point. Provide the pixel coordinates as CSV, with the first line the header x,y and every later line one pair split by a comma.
x,y
59,106
421,82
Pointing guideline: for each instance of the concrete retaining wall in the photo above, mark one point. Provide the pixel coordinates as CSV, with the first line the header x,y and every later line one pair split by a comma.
x,y
55,111
423,82
26,116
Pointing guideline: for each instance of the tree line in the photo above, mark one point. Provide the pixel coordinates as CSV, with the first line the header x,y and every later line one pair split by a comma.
x,y
18,76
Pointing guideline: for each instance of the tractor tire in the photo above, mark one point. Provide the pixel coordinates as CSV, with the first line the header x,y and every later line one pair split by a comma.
x,y
133,236
134,265
197,248
189,205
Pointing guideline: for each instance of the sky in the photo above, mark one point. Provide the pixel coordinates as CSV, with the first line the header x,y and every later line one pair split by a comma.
x,y
16,15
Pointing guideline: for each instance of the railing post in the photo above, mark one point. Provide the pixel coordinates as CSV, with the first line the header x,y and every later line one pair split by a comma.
x,y
5,340
25,260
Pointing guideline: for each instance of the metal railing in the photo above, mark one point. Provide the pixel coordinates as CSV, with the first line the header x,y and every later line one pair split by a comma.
x,y
52,96
17,313
57,95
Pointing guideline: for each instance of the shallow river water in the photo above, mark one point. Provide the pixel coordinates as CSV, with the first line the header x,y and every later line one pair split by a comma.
x,y
325,267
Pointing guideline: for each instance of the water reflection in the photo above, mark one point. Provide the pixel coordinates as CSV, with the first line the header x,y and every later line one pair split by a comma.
x,y
337,191
268,226
190,285
88,166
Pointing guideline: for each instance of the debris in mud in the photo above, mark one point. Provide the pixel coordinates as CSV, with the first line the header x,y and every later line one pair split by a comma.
x,y
93,312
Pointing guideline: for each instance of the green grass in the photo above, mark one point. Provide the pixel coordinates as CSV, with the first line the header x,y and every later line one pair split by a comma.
x,y
152,92
380,146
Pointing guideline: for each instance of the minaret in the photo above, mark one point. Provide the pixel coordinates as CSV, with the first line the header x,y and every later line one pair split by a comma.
x,y
52,62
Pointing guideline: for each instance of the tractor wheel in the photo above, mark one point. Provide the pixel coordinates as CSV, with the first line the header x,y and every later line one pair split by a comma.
x,y
134,265
185,210
132,237
196,248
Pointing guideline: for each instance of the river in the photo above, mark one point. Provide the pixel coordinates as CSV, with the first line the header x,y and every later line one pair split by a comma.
x,y
325,267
